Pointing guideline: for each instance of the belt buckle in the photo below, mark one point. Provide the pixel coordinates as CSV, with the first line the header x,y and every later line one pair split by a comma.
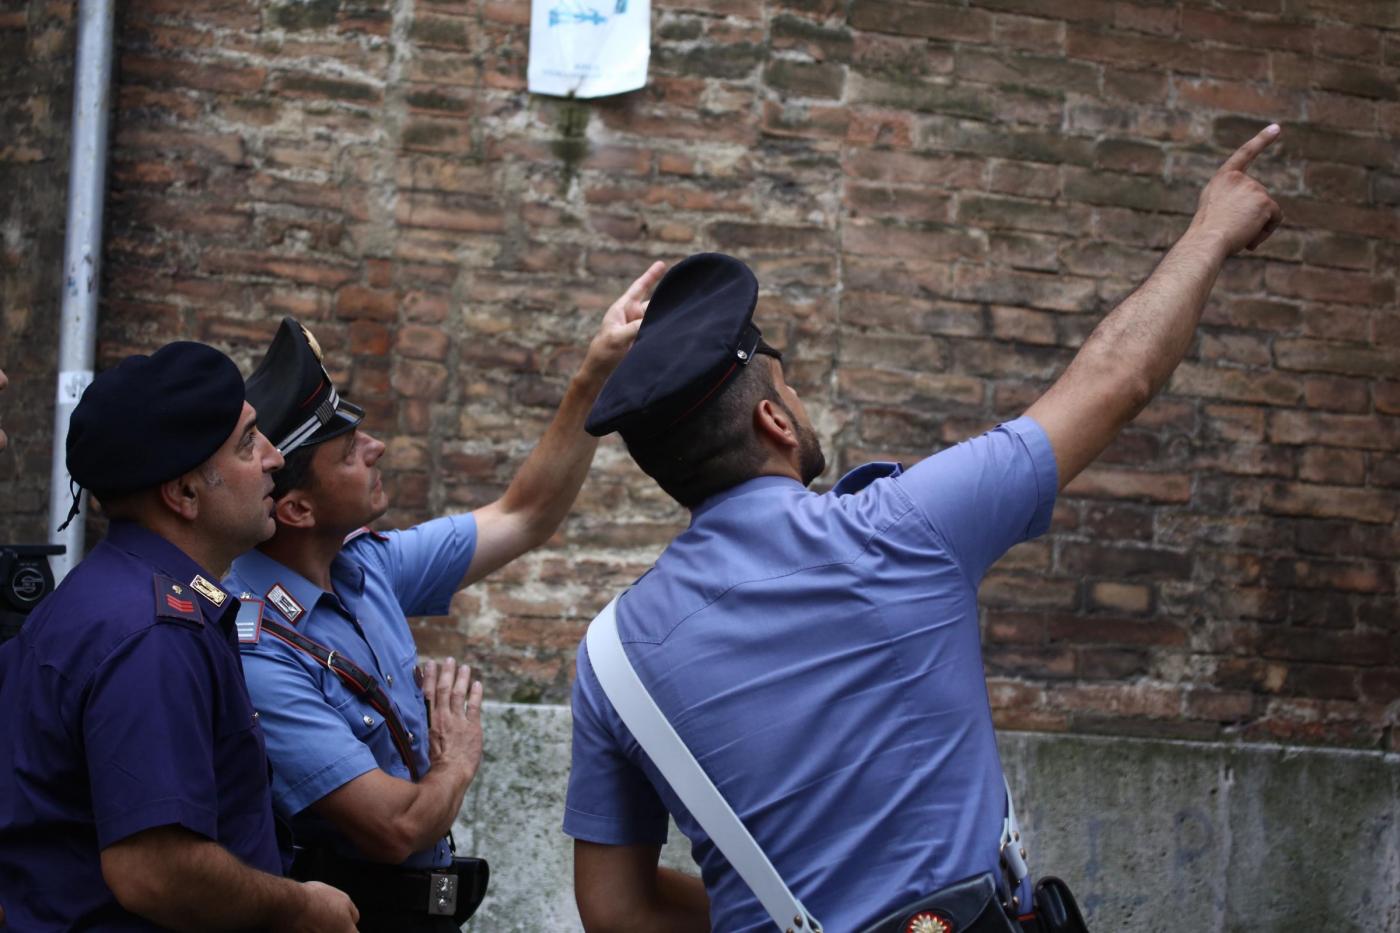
x,y
442,894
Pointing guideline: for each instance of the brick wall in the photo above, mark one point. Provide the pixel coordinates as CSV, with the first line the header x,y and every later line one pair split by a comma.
x,y
36,92
940,200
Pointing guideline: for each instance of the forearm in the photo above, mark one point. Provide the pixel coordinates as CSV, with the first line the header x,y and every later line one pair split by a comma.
x,y
1150,332
1129,356
389,818
434,805
182,881
547,483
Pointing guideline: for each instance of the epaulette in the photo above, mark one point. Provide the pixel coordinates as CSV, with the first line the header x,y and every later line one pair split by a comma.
x,y
361,532
248,622
175,601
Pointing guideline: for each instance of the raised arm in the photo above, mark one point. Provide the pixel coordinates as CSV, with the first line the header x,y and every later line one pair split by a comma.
x,y
543,490
182,881
1133,351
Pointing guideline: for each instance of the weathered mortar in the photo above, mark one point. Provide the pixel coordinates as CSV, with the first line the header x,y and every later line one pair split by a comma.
x,y
940,199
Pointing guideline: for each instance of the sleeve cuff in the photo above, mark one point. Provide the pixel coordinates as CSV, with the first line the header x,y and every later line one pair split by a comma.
x,y
464,541
604,830
1046,471
292,800
170,811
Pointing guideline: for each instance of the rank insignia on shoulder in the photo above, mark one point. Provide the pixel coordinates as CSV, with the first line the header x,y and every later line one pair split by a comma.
x,y
361,532
208,590
173,601
283,602
249,620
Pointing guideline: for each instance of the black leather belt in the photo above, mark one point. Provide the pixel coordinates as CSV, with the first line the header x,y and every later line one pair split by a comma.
x,y
454,890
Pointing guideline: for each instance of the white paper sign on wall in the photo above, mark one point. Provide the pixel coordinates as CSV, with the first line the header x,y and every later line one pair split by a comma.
x,y
589,48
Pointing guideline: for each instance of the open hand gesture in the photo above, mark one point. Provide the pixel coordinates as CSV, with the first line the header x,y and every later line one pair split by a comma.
x,y
620,325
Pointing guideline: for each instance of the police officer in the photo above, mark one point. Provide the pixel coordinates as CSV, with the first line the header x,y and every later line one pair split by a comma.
x,y
819,654
133,781
373,789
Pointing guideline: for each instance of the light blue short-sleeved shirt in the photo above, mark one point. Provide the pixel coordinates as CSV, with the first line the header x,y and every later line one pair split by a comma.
x,y
820,655
320,735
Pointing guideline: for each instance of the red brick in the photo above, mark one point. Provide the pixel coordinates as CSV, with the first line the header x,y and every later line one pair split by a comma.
x,y
1025,32
1337,394
1241,30
942,171
422,343
1337,182
355,301
1329,284
1239,385
1327,357
931,20
1235,97
1122,597
1356,431
1330,465
1362,505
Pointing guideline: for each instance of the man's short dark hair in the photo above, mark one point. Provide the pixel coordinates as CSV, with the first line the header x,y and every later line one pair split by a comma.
x,y
715,448
295,472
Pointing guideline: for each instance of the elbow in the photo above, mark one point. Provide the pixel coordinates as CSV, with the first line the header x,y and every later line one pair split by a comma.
x,y
598,918
1125,386
389,840
138,892
1137,390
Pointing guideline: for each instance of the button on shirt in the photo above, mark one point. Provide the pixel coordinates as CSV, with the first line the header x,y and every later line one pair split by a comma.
x,y
820,656
121,714
321,735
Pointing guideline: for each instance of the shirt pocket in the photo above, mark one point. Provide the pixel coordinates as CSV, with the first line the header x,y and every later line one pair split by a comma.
x,y
364,721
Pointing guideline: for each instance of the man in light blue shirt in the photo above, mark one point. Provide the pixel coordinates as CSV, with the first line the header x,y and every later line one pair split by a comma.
x,y
819,654
371,782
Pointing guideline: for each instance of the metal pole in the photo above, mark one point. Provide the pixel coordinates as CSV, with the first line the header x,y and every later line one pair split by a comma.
x,y
82,256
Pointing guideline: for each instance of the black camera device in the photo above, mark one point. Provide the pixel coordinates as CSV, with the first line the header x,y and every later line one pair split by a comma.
x,y
25,578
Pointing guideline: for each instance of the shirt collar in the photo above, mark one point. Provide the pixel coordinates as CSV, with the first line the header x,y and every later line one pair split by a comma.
x,y
747,487
160,553
258,573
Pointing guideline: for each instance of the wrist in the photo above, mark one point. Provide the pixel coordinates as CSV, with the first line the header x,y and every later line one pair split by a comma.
x,y
290,902
452,769
588,381
1213,243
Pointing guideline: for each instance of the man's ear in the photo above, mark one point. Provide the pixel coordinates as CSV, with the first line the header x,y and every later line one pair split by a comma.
x,y
295,510
181,495
773,422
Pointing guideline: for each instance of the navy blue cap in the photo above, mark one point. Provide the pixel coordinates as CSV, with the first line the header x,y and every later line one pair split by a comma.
x,y
697,332
296,401
152,418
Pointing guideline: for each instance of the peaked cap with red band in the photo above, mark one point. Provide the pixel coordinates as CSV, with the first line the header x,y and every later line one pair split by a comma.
x,y
698,331
296,402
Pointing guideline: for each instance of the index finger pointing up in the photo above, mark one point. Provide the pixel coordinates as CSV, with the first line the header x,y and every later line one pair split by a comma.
x,y
1243,156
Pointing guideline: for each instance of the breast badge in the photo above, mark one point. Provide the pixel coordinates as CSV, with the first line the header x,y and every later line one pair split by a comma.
x,y
928,922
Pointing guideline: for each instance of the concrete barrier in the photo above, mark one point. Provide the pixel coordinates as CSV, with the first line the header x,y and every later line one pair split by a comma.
x,y
1152,835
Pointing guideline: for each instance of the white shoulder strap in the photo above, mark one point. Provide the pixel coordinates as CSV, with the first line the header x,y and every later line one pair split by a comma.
x,y
673,759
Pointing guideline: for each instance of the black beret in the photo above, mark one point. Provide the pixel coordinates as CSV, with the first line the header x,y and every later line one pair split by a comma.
x,y
296,403
152,418
697,332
